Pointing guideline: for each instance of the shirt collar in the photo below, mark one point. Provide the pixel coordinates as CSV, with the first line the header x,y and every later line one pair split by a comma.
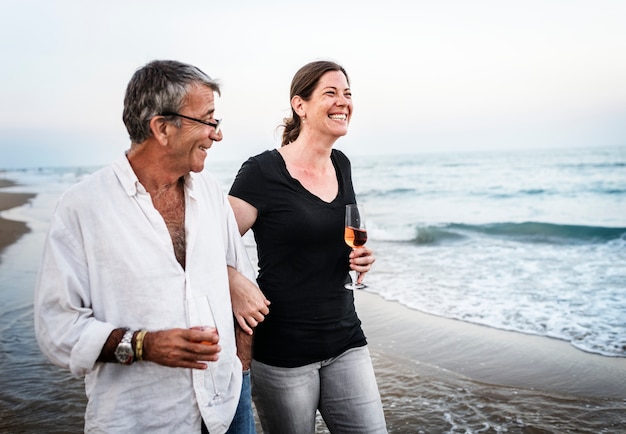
x,y
124,172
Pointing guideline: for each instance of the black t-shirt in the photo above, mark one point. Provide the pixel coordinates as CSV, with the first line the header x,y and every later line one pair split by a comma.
x,y
303,263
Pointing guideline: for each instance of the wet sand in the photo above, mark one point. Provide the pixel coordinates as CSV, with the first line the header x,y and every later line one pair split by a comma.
x,y
489,355
10,230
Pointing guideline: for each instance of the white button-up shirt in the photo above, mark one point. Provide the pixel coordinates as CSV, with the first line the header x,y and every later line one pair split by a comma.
x,y
109,262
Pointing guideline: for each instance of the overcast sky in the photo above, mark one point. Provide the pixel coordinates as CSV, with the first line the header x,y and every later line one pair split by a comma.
x,y
426,75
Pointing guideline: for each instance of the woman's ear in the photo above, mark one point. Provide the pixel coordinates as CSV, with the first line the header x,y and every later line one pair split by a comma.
x,y
297,104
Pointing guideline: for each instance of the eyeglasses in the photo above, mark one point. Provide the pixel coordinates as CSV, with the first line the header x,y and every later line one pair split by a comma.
x,y
215,124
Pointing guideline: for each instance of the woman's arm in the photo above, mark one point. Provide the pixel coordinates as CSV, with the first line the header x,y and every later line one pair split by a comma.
x,y
245,213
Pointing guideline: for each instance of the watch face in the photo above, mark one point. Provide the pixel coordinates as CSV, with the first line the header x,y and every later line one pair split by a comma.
x,y
124,353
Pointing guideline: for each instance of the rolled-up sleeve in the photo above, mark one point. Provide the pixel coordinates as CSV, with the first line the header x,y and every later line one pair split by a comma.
x,y
65,327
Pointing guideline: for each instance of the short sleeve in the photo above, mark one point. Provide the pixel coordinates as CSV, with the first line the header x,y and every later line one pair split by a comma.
x,y
250,184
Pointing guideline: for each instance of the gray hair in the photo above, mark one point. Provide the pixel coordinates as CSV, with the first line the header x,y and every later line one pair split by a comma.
x,y
159,87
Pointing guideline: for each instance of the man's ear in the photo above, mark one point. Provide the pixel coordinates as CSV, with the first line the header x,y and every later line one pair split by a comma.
x,y
160,129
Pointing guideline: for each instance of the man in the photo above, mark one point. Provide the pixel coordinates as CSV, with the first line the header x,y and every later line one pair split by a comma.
x,y
129,252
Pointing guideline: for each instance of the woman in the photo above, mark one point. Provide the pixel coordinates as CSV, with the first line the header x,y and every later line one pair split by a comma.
x,y
310,352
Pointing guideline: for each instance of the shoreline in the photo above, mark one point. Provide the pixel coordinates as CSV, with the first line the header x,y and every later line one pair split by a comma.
x,y
11,230
479,353
487,355
434,374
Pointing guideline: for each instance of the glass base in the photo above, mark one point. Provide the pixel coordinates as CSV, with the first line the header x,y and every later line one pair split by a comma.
x,y
354,286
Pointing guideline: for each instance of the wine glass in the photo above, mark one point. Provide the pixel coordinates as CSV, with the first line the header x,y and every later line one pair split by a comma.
x,y
199,312
355,236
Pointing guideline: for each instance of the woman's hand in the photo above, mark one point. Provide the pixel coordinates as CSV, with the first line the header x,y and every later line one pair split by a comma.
x,y
249,304
361,260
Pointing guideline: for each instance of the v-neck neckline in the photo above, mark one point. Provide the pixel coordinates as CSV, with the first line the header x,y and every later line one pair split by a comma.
x,y
296,182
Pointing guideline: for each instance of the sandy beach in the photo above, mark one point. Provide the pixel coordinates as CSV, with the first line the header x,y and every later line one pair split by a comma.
x,y
488,355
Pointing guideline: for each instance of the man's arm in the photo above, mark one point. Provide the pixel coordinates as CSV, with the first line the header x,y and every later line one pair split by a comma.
x,y
179,348
244,347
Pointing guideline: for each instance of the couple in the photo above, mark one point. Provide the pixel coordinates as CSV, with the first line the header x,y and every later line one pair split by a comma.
x,y
133,247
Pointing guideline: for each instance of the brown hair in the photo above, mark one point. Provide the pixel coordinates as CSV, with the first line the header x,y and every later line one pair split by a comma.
x,y
303,84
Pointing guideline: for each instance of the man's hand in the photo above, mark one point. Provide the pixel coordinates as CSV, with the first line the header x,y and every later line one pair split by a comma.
x,y
182,348
249,304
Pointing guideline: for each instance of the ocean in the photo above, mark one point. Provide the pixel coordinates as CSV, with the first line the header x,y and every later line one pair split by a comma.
x,y
532,242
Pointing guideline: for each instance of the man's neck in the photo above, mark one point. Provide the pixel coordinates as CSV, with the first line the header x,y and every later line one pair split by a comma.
x,y
152,170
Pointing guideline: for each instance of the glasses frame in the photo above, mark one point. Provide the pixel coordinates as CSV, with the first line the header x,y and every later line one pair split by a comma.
x,y
215,124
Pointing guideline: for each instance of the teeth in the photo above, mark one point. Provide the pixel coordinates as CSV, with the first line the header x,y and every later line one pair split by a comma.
x,y
341,117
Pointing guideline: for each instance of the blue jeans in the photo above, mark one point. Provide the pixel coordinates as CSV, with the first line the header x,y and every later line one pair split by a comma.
x,y
343,389
243,422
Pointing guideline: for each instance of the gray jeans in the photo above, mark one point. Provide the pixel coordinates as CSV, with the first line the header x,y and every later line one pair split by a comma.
x,y
343,388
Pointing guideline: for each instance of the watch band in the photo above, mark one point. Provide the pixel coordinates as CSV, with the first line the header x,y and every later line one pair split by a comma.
x,y
128,337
